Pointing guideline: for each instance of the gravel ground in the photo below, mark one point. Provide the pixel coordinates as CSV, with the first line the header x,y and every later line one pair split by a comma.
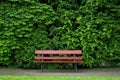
x,y
115,72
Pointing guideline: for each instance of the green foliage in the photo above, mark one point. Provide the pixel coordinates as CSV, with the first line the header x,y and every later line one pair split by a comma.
x,y
88,25
100,35
22,30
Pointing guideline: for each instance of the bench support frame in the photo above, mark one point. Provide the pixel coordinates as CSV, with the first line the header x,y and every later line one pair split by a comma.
x,y
75,67
42,64
41,67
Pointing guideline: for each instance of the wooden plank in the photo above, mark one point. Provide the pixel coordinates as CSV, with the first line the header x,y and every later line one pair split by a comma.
x,y
59,62
58,52
57,58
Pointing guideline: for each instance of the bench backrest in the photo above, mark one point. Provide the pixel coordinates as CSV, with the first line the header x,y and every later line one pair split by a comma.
x,y
42,56
58,52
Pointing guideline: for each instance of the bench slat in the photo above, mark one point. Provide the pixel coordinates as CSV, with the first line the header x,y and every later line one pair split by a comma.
x,y
81,62
57,58
58,52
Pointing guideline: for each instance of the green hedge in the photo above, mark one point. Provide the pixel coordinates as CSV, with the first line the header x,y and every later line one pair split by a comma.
x,y
23,28
92,26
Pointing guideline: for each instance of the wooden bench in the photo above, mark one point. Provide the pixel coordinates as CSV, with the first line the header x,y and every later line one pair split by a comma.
x,y
58,56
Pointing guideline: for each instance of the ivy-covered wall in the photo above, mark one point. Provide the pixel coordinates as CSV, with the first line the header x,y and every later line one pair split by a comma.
x,y
92,26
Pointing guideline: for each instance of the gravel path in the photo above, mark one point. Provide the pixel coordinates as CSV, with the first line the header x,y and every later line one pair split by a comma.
x,y
115,72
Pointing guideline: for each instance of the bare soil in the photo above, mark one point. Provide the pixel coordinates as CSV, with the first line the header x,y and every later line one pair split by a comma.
x,y
115,72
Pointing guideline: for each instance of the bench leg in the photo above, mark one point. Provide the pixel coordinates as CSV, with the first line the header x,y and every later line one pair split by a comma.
x,y
75,66
41,67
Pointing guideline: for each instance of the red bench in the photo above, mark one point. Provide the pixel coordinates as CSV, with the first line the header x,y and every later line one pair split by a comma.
x,y
58,56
